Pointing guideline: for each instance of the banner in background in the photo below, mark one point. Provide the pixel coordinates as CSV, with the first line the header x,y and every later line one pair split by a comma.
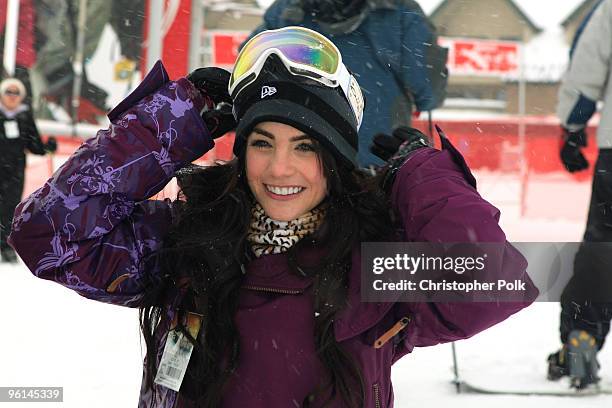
x,y
223,47
482,57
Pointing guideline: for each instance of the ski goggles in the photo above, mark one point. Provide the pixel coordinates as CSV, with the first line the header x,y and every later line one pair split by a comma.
x,y
304,52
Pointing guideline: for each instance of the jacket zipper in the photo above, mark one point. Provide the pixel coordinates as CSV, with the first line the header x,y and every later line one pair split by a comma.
x,y
397,327
272,290
377,395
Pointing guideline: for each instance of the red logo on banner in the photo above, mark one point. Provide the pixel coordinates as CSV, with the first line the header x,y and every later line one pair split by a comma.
x,y
225,46
482,57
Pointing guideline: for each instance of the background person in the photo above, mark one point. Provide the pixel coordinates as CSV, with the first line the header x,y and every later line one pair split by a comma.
x,y
586,302
17,133
57,32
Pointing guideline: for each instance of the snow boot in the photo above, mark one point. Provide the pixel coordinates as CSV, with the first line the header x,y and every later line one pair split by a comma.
x,y
581,358
557,364
576,359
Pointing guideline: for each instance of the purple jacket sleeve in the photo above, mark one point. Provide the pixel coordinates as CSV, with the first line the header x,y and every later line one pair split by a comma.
x,y
435,196
91,227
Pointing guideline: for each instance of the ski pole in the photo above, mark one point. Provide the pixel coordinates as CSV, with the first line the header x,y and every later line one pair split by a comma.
x,y
456,380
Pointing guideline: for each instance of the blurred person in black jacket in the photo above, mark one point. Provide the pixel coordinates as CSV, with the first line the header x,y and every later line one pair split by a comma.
x,y
18,132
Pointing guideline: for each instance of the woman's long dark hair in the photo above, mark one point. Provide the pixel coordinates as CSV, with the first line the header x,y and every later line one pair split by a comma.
x,y
204,258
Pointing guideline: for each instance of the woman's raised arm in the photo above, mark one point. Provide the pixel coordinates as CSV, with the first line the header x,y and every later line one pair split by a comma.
x,y
91,226
435,195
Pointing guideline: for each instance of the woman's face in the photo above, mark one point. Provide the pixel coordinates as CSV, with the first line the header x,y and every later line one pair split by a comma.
x,y
284,171
11,98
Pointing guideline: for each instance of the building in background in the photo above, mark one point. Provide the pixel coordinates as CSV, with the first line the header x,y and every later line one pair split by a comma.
x,y
224,26
490,35
485,38
481,116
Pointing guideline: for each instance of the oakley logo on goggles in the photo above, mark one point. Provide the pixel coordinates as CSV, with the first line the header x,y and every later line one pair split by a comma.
x,y
304,52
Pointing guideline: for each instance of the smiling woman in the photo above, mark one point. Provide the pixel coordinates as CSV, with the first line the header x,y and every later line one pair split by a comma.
x,y
249,283
284,171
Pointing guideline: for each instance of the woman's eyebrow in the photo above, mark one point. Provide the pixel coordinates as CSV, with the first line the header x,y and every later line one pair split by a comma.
x,y
263,132
300,137
271,136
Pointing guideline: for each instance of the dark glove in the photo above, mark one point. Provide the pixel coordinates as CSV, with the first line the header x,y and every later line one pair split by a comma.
x,y
212,82
51,145
397,148
571,155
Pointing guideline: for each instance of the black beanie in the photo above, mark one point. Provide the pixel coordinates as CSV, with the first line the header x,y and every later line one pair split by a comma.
x,y
319,111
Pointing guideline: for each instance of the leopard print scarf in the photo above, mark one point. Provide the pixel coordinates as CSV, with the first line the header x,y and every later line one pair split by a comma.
x,y
268,236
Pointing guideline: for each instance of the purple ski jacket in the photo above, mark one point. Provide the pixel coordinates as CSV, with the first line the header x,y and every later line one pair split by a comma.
x,y
91,226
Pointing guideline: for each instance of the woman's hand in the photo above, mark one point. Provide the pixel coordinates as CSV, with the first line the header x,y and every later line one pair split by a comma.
x,y
212,82
395,149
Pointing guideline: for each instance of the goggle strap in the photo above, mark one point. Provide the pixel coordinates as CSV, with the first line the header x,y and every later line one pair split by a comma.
x,y
353,94
344,78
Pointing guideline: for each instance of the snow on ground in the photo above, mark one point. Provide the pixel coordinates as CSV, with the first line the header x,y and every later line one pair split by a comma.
x,y
53,337
513,351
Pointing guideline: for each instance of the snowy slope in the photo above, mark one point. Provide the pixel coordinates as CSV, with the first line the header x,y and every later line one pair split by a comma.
x,y
510,352
53,337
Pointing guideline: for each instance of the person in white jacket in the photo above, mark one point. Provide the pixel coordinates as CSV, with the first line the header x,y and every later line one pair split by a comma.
x,y
586,302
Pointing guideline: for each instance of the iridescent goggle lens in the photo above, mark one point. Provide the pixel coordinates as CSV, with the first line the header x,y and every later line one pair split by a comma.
x,y
307,49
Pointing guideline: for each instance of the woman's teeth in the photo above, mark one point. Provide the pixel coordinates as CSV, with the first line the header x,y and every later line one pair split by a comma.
x,y
284,190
